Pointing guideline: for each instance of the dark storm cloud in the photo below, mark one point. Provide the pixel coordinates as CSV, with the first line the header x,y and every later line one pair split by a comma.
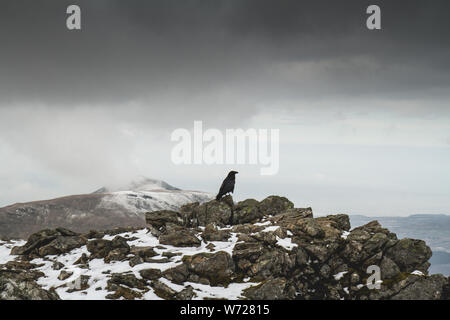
x,y
164,52
81,108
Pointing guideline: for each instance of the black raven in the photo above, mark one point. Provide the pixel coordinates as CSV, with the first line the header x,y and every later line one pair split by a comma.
x,y
227,185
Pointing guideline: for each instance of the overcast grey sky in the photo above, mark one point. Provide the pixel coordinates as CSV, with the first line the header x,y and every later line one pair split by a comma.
x,y
364,116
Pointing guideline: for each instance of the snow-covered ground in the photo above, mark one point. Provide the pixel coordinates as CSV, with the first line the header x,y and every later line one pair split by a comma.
x,y
5,249
99,272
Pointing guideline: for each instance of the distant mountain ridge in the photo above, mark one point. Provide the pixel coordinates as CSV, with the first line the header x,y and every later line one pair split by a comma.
x,y
106,208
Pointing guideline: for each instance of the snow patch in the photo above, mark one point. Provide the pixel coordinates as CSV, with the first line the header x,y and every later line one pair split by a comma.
x,y
345,234
270,229
338,276
286,243
262,223
5,249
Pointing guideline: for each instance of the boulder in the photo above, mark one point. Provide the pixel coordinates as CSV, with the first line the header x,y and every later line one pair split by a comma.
x,y
271,289
136,260
42,238
128,280
57,265
375,243
118,254
211,233
247,228
19,265
83,259
179,237
353,253
159,219
318,251
18,286
364,232
271,263
341,221
63,275
331,229
144,252
150,274
388,268
218,268
246,253
246,211
110,250
188,213
162,290
310,227
186,294
274,205
79,284
410,255
216,212
412,287
291,218
62,244
178,274
123,292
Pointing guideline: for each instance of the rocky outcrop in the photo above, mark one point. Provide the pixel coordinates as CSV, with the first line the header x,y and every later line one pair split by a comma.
x,y
50,242
110,250
268,249
196,214
294,255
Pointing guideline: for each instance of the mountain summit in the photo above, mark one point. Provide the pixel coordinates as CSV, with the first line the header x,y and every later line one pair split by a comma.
x,y
139,184
106,208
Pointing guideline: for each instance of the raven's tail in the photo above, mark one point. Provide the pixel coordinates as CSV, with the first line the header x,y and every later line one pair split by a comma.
x,y
218,197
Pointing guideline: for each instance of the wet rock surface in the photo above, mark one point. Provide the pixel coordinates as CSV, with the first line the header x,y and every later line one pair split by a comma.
x,y
267,249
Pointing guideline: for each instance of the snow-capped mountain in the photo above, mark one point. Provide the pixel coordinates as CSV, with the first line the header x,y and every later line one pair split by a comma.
x,y
139,184
144,194
106,208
